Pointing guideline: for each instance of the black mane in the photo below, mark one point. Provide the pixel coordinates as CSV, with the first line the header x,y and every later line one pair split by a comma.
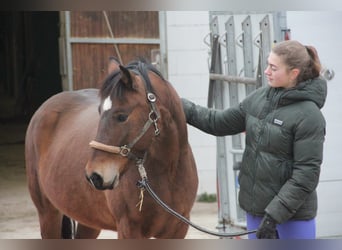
x,y
112,85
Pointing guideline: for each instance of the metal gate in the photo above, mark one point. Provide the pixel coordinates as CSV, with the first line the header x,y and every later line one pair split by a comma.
x,y
240,44
89,38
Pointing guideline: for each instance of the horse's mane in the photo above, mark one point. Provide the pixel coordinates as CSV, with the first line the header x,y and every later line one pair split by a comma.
x,y
142,64
112,85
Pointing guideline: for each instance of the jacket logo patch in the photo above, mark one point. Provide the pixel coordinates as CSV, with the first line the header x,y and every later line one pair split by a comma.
x,y
278,122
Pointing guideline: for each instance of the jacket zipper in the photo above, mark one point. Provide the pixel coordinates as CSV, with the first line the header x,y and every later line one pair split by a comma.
x,y
257,151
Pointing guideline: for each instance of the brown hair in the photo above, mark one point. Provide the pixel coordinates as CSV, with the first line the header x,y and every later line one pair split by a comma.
x,y
297,56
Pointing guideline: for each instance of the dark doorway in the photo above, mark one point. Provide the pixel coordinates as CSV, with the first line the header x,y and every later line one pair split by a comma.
x,y
29,62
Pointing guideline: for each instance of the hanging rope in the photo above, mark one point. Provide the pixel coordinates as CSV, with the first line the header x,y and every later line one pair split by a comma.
x,y
112,36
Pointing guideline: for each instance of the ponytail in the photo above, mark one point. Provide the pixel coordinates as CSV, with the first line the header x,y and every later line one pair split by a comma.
x,y
315,64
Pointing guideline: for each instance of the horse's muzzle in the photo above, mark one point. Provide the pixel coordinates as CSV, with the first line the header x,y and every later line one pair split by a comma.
x,y
97,181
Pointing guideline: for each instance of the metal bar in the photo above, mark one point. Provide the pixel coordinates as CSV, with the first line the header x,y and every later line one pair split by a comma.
x,y
162,41
236,140
231,60
265,40
279,25
68,50
114,40
237,151
232,70
62,57
247,49
215,60
233,79
215,97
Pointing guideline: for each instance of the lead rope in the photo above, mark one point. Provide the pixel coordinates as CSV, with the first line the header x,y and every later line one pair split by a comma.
x,y
143,175
141,199
143,185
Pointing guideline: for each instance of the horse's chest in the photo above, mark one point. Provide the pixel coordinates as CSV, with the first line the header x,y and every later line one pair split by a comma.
x,y
74,197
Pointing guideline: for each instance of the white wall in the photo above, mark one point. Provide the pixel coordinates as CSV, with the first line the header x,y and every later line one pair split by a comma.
x,y
189,73
323,30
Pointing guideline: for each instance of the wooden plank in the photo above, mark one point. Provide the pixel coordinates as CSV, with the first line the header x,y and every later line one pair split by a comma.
x,y
124,24
90,57
90,61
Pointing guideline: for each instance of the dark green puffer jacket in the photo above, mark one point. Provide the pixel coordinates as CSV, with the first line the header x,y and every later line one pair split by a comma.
x,y
285,132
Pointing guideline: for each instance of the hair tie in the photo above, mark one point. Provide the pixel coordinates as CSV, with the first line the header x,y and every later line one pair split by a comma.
x,y
307,48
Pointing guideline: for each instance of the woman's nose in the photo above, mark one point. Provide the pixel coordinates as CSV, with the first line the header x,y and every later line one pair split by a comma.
x,y
267,71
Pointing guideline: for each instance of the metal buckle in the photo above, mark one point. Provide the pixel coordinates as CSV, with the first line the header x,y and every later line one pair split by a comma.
x,y
153,116
151,97
124,150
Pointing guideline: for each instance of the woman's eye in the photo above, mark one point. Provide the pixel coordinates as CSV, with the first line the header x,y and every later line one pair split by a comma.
x,y
122,117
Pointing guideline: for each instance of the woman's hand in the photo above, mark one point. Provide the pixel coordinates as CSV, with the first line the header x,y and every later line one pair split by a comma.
x,y
267,228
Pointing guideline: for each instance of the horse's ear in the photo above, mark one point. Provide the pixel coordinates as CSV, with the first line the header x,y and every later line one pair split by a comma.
x,y
113,65
127,77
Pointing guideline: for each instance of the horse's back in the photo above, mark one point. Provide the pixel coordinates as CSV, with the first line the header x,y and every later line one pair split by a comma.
x,y
58,131
57,112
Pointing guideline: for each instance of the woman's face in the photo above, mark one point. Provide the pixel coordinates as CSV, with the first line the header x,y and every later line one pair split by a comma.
x,y
278,74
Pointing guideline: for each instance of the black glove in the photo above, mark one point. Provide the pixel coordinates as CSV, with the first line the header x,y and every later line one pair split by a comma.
x,y
267,228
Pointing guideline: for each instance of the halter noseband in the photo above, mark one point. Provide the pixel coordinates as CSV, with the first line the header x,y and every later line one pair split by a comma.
x,y
153,117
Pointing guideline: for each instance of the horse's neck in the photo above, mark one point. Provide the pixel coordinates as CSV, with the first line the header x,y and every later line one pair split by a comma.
x,y
167,144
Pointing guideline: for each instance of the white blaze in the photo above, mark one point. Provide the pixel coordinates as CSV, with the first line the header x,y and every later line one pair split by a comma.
x,y
107,104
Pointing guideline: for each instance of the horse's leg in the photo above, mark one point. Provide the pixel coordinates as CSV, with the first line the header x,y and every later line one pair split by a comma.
x,y
84,232
128,229
179,231
50,220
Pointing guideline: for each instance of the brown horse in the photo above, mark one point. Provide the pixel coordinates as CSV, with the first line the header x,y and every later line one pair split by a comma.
x,y
137,121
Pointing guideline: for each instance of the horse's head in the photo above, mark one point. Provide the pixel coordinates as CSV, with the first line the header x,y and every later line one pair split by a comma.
x,y
128,122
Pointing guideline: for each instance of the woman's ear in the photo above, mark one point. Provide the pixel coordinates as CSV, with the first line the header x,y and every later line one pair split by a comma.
x,y
294,74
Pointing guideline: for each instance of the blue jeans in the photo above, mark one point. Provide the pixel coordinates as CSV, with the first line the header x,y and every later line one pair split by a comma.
x,y
292,229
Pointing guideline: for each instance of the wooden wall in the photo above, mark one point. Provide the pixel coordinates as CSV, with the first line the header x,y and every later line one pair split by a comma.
x,y
89,60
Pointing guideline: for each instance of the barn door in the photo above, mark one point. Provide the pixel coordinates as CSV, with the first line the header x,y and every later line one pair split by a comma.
x,y
89,38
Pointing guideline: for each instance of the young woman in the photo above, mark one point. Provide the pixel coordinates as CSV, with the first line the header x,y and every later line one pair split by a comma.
x,y
285,132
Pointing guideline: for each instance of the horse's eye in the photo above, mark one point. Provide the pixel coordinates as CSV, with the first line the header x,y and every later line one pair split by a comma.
x,y
122,117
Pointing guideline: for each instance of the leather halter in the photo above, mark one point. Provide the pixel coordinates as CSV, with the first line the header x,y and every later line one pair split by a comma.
x,y
153,116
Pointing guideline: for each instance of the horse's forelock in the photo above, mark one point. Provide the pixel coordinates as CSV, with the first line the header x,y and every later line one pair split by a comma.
x,y
107,84
112,86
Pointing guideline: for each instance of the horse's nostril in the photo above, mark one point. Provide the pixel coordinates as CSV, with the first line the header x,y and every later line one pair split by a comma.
x,y
96,180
